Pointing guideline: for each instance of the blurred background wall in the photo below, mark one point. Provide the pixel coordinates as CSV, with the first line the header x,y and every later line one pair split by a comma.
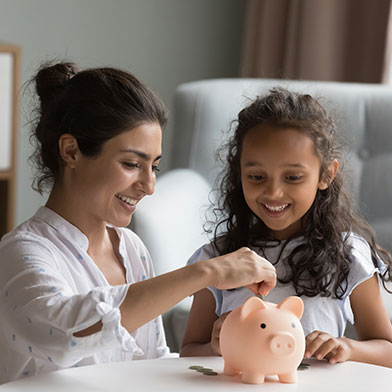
x,y
163,42
169,42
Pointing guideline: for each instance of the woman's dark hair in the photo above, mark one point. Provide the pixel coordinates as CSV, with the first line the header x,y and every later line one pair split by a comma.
x,y
321,263
93,105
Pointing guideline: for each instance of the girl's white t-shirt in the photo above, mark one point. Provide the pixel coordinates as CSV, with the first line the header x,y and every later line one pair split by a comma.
x,y
327,314
50,288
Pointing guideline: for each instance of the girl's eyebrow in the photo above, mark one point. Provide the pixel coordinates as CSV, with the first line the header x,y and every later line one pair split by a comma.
x,y
141,154
295,165
251,163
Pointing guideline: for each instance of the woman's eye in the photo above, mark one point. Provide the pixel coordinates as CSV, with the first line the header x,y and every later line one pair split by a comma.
x,y
131,165
155,168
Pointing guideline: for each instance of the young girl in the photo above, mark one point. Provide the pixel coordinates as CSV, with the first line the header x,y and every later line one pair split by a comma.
x,y
282,196
76,286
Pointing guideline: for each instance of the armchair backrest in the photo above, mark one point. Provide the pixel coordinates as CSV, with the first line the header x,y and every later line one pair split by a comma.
x,y
204,111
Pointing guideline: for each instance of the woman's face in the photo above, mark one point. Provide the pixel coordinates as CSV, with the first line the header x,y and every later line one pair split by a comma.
x,y
280,175
111,184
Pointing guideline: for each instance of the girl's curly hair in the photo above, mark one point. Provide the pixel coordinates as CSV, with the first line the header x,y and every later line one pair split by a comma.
x,y
321,264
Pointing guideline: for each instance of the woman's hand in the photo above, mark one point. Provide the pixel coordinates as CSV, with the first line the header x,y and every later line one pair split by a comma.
x,y
216,329
322,345
244,267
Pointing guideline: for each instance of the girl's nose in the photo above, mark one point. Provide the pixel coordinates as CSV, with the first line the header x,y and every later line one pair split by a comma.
x,y
273,189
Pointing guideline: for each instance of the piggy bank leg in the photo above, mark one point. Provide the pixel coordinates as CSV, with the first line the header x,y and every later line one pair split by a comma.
x,y
251,377
289,378
229,370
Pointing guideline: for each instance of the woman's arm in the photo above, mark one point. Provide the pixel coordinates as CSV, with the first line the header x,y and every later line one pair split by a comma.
x,y
147,299
373,327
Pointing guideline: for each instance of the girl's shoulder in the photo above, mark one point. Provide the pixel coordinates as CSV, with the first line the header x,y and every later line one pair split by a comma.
x,y
358,247
205,252
362,265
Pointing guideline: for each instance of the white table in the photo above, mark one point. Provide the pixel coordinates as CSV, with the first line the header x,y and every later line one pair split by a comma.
x,y
173,374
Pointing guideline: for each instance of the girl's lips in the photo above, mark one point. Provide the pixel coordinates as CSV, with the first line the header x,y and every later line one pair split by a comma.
x,y
275,211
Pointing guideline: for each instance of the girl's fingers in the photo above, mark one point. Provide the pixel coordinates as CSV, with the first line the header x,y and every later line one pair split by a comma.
x,y
325,348
339,356
313,342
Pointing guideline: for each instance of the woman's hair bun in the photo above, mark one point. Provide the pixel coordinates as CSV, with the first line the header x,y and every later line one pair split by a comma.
x,y
51,79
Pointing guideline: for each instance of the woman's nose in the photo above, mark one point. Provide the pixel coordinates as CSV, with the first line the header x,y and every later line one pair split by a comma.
x,y
147,182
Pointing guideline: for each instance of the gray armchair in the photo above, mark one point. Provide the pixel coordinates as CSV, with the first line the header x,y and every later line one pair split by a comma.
x,y
203,112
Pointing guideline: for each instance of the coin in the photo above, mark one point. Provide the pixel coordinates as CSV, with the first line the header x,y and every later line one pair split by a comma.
x,y
210,373
196,367
202,370
303,366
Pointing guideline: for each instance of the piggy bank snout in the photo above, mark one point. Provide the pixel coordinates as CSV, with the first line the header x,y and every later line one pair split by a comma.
x,y
282,343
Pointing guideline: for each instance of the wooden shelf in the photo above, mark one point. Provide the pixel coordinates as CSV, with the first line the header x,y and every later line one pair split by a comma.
x,y
6,175
9,88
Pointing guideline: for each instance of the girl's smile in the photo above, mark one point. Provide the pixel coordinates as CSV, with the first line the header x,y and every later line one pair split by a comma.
x,y
276,211
280,175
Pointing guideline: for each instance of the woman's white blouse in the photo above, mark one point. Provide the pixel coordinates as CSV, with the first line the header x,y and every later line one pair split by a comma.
x,y
50,288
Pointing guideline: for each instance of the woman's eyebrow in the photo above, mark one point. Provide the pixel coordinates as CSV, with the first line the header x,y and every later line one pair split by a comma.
x,y
141,154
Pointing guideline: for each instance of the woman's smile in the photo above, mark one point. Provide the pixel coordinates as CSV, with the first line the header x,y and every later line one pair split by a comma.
x,y
126,202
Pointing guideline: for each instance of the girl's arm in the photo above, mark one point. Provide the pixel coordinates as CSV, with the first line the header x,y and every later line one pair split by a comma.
x,y
373,327
197,338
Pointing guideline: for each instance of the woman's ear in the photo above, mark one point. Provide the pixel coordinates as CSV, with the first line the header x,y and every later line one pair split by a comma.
x,y
329,175
69,150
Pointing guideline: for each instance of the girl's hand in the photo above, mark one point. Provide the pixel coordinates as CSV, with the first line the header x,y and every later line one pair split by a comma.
x,y
216,329
322,345
244,267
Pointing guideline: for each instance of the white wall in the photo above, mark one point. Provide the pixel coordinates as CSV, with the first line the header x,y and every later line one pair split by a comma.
x,y
163,42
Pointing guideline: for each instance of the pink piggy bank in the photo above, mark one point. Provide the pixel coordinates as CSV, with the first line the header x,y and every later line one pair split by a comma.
x,y
261,339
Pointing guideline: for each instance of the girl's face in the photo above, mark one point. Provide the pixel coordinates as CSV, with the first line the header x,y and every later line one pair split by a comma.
x,y
280,176
111,184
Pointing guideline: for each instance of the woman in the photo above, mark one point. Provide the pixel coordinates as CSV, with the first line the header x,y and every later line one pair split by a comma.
x,y
77,287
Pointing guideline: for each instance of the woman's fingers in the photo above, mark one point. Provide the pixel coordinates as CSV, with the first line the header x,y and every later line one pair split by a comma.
x,y
265,286
245,268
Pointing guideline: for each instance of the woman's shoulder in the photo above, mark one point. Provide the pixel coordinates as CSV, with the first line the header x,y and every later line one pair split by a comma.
x,y
27,235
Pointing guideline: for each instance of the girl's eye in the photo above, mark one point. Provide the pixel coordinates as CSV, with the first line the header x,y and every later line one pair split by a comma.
x,y
294,178
255,177
155,168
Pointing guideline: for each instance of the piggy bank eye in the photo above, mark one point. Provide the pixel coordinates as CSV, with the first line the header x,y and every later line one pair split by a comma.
x,y
293,324
262,325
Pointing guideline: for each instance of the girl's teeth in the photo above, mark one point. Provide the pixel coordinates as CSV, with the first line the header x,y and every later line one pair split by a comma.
x,y
276,209
126,199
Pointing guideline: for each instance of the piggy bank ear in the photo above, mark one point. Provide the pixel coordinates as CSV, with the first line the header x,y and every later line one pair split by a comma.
x,y
294,305
250,305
